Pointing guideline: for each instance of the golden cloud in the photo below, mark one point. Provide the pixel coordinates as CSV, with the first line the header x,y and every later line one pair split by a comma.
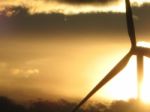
x,y
24,72
69,7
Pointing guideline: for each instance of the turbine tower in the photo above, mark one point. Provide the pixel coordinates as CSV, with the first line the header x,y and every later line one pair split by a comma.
x,y
140,52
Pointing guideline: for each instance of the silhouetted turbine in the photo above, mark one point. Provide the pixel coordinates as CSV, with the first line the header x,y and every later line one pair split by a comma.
x,y
134,50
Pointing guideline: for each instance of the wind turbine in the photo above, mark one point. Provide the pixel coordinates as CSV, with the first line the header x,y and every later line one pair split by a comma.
x,y
140,52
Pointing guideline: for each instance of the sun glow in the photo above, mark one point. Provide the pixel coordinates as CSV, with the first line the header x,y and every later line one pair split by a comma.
x,y
145,93
124,85
143,44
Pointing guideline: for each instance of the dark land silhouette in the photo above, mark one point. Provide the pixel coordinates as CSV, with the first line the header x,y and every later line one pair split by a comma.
x,y
9,105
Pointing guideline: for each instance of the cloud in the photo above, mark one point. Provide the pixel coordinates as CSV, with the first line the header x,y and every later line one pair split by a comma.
x,y
87,1
26,73
15,71
6,68
69,7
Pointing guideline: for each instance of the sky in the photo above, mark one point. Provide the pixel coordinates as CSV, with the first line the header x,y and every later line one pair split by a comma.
x,y
54,49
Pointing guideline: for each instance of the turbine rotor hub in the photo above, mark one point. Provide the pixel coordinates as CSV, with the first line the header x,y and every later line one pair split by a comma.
x,y
138,50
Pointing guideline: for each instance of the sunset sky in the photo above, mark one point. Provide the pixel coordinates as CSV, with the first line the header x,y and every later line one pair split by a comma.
x,y
54,49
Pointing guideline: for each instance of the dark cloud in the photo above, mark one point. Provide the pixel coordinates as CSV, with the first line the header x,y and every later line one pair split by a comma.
x,y
54,23
87,1
102,23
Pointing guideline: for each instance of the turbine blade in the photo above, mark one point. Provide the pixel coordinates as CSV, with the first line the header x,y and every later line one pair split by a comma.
x,y
108,77
140,75
130,23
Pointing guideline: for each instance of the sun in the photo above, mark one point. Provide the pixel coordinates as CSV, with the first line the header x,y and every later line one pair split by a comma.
x,y
124,85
